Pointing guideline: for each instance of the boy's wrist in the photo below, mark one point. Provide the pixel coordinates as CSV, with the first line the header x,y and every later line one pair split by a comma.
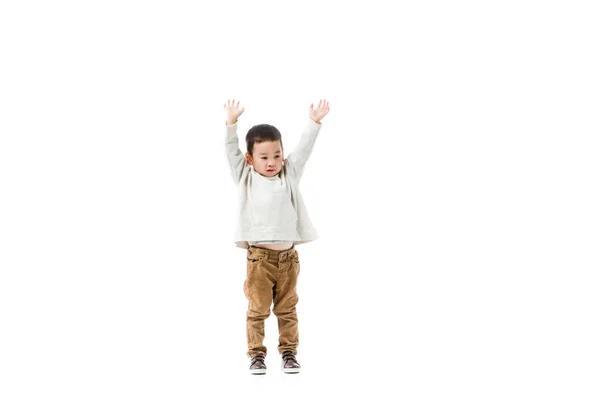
x,y
228,122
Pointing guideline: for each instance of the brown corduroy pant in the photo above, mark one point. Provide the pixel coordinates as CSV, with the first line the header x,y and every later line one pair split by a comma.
x,y
271,277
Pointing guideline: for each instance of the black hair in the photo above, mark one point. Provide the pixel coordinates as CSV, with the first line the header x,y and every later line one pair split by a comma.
x,y
262,133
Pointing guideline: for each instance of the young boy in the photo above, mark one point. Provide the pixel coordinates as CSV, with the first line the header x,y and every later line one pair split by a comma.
x,y
272,220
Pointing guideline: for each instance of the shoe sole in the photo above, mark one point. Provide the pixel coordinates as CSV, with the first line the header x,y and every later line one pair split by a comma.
x,y
291,370
258,371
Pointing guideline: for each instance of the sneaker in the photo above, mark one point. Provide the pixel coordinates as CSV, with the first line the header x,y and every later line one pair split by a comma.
x,y
257,365
289,363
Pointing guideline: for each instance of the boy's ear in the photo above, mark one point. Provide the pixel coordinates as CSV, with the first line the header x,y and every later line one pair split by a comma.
x,y
249,158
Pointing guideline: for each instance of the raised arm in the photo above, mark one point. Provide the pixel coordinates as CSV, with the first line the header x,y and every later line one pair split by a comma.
x,y
300,155
236,159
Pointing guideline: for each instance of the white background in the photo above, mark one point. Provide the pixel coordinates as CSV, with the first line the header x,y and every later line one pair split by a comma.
x,y
454,186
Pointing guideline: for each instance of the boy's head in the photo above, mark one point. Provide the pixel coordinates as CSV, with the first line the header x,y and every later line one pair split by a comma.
x,y
265,149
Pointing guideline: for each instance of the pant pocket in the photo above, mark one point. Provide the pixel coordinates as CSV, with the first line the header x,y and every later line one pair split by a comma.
x,y
295,263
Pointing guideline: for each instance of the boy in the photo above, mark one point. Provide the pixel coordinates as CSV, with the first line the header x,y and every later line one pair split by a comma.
x,y
272,220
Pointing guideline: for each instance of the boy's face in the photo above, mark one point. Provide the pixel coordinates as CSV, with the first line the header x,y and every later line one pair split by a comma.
x,y
267,158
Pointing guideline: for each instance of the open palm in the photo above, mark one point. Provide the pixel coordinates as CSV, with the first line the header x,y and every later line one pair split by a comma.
x,y
317,114
232,110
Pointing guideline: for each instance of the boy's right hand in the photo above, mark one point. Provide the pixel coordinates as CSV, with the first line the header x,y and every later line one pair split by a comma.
x,y
232,112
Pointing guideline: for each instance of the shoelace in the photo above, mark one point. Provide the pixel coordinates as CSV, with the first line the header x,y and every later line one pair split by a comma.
x,y
257,358
289,356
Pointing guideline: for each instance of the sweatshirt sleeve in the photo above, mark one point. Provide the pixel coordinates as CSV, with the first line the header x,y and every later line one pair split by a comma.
x,y
298,157
235,158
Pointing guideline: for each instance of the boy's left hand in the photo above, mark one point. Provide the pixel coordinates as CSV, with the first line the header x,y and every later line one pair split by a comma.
x,y
317,114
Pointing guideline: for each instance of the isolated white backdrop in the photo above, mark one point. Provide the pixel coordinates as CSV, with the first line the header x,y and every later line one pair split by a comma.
x,y
454,186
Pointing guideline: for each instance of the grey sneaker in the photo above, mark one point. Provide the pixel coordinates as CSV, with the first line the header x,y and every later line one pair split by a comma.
x,y
257,365
289,363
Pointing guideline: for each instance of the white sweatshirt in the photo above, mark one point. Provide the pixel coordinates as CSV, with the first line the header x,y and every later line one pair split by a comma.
x,y
271,208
